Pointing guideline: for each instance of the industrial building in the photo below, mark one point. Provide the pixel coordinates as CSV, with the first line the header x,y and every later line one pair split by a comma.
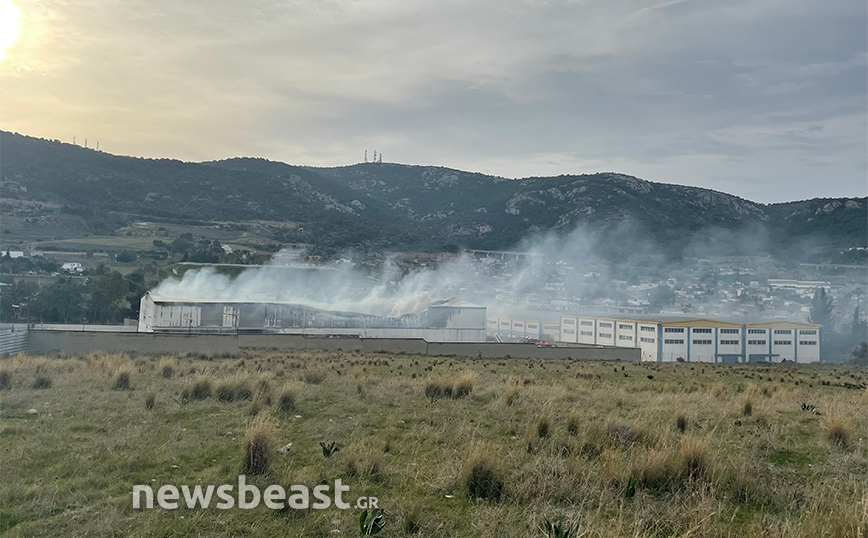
x,y
440,321
665,339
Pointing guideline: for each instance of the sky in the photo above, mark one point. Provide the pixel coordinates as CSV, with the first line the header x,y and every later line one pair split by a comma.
x,y
765,99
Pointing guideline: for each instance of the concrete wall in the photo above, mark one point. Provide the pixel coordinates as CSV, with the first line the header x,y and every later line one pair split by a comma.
x,y
45,341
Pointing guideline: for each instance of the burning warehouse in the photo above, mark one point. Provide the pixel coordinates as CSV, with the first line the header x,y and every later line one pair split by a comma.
x,y
439,321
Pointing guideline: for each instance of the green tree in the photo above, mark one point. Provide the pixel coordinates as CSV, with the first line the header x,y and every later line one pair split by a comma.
x,y
16,299
61,302
107,302
662,296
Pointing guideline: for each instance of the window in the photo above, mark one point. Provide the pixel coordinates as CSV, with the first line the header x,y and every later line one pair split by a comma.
x,y
807,342
783,331
811,331
624,326
783,342
624,337
532,326
587,323
505,323
648,329
729,331
756,331
756,342
673,330
605,325
647,340
518,324
674,342
587,333
702,342
569,331
569,321
605,335
701,331
730,342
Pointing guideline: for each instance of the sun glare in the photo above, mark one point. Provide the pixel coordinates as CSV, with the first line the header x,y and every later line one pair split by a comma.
x,y
10,18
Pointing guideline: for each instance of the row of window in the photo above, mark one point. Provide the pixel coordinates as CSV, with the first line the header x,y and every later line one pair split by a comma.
x,y
729,331
647,340
624,337
605,335
648,329
605,325
624,326
587,333
673,342
702,342
587,323
730,342
701,331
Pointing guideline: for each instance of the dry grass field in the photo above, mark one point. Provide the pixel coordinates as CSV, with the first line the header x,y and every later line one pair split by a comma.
x,y
451,446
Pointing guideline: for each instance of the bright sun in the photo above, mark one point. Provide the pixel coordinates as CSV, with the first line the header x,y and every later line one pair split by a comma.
x,y
10,18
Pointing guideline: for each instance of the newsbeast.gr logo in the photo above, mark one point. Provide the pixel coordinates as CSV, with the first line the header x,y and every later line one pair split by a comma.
x,y
247,496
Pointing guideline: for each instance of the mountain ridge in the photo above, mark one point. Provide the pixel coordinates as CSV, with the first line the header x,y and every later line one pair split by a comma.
x,y
412,207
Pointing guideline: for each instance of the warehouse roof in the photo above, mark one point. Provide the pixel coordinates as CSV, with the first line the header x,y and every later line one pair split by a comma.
x,y
685,321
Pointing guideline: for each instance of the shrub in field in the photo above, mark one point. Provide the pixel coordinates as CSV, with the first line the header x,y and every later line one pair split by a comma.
x,y
257,449
655,471
623,435
747,409
314,377
286,403
681,423
329,449
41,382
573,422
411,522
463,385
510,396
150,400
122,381
483,480
201,390
543,427
243,392
558,529
694,457
224,392
167,371
836,431
5,380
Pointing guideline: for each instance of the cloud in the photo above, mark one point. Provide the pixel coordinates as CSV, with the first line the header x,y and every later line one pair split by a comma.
x,y
513,87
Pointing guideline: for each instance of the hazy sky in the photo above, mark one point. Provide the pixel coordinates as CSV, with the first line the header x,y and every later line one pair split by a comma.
x,y
765,99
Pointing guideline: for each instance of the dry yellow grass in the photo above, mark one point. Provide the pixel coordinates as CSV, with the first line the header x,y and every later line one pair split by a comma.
x,y
614,456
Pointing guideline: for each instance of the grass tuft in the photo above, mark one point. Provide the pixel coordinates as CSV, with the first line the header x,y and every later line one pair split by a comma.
x,y
574,422
286,402
836,431
681,423
257,449
41,382
150,401
5,380
122,381
483,479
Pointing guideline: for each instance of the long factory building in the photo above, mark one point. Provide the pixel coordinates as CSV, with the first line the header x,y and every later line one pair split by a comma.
x,y
667,339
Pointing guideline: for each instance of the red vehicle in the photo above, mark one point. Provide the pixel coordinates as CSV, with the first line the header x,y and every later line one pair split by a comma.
x,y
528,340
545,344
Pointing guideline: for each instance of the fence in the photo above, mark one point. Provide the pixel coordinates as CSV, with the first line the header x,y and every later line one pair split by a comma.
x,y
13,338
